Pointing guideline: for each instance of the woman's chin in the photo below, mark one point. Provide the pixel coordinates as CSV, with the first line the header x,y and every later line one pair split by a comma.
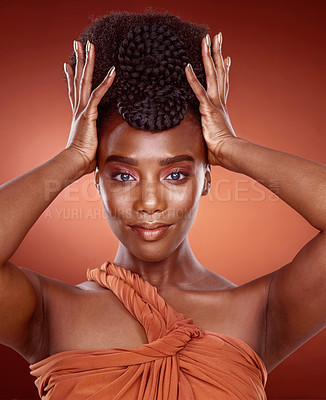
x,y
150,256
151,252
152,249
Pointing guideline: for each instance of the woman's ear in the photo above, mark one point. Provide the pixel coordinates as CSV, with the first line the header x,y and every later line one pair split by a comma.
x,y
97,180
207,181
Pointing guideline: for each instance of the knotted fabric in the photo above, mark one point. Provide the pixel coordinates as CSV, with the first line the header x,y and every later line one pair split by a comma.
x,y
180,360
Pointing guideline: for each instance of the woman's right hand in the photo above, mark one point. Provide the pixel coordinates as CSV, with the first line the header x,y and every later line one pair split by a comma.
x,y
83,133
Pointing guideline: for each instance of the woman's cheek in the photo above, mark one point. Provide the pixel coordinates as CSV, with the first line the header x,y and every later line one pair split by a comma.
x,y
185,199
116,201
120,205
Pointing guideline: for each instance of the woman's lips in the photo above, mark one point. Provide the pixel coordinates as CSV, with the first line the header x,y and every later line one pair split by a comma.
x,y
150,234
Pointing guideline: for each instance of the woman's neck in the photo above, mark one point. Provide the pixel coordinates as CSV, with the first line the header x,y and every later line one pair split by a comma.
x,y
180,268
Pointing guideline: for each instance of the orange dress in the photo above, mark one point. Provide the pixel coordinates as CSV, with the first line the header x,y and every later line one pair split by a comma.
x,y
180,361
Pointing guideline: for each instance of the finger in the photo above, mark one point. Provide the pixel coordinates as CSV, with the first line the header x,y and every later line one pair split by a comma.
x,y
196,86
87,76
79,52
219,64
99,92
70,80
210,72
227,65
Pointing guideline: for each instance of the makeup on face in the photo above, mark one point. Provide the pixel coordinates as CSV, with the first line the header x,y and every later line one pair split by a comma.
x,y
175,169
150,186
150,234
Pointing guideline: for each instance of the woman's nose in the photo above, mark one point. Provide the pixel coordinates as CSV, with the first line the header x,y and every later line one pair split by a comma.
x,y
149,198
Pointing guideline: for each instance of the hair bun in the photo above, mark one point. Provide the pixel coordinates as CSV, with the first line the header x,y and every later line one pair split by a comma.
x,y
151,91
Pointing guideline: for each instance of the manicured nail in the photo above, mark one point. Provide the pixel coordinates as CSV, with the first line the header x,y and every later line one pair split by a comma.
x,y
65,68
219,38
75,46
111,71
228,61
208,41
189,66
88,45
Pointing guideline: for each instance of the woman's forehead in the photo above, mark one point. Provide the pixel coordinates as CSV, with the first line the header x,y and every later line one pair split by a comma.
x,y
118,137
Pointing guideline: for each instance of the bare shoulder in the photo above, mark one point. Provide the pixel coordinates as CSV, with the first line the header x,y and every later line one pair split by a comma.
x,y
53,297
247,301
218,286
256,289
49,288
247,312
237,311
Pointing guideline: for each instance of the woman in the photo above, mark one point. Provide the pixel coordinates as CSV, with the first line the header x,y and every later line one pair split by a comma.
x,y
167,327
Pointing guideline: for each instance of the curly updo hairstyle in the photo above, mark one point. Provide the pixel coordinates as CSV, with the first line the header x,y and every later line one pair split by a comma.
x,y
150,52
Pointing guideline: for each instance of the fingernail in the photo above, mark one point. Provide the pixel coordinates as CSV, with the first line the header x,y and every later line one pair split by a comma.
x,y
65,68
111,71
208,41
75,46
189,66
88,45
228,61
219,38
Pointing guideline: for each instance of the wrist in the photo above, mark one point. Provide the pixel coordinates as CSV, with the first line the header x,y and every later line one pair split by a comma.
x,y
79,165
227,152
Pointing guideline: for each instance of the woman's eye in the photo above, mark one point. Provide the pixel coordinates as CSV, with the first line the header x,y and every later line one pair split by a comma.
x,y
126,177
177,176
122,177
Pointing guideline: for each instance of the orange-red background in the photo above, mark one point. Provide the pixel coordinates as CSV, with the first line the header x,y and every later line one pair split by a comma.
x,y
277,99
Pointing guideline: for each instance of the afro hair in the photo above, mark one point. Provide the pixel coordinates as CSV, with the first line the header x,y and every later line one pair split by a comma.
x,y
149,52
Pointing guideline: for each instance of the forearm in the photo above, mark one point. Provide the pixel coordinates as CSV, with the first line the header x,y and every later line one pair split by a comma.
x,y
301,183
23,199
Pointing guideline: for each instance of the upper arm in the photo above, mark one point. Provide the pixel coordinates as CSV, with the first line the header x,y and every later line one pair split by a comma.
x,y
297,301
19,292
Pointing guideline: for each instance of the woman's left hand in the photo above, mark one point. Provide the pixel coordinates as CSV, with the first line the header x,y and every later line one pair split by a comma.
x,y
215,121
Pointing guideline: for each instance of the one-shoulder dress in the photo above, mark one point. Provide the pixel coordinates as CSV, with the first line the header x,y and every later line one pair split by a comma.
x,y
180,361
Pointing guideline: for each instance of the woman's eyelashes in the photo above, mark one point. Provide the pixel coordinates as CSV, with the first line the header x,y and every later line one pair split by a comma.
x,y
122,177
175,176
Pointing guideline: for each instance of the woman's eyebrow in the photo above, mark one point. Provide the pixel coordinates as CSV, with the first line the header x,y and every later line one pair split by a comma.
x,y
175,159
122,159
163,162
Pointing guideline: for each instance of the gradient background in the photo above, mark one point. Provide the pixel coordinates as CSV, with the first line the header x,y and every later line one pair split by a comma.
x,y
277,99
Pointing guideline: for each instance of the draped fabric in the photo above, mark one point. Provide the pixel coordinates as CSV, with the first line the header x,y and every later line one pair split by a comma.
x,y
180,360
